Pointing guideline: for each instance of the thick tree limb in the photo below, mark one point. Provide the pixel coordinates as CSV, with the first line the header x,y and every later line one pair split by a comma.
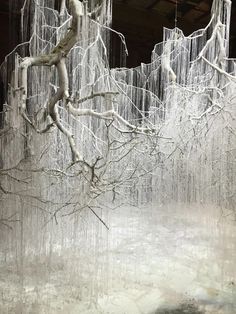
x,y
107,115
57,58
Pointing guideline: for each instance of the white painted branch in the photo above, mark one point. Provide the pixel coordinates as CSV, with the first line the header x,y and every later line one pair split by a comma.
x,y
107,115
93,95
165,63
214,66
63,7
56,57
61,50
213,35
60,94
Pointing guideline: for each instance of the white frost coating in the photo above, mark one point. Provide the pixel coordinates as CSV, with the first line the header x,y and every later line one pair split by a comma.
x,y
81,139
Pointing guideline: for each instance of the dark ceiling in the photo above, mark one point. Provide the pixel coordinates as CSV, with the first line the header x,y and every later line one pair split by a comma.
x,y
142,22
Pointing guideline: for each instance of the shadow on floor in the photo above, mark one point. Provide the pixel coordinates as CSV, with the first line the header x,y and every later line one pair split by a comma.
x,y
185,308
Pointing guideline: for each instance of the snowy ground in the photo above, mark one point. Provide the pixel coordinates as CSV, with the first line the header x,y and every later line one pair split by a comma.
x,y
159,260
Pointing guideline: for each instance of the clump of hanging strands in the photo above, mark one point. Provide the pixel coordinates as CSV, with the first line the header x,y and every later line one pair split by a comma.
x,y
80,132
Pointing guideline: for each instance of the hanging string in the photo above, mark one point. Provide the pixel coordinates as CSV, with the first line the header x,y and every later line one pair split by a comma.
x,y
176,12
176,19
